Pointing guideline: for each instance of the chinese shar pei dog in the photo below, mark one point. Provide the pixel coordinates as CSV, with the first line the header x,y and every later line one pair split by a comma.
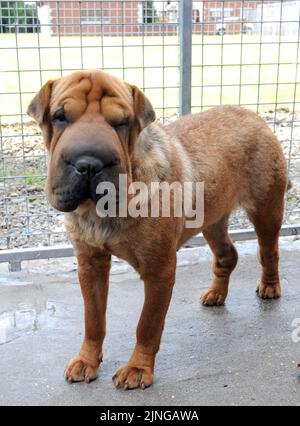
x,y
97,128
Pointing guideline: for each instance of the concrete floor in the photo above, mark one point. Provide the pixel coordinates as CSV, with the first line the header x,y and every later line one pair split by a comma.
x,y
241,354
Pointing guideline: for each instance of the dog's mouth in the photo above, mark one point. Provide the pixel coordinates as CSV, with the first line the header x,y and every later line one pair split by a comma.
x,y
67,200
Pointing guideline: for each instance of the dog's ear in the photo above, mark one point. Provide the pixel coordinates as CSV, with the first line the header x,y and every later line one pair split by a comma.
x,y
39,106
143,109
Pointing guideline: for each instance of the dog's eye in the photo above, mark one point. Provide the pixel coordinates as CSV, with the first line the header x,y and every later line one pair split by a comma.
x,y
120,125
59,117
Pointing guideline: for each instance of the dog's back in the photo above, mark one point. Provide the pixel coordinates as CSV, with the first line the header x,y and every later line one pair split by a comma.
x,y
235,154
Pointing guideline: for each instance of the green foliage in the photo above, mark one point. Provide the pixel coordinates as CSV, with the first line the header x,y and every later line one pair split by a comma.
x,y
292,197
149,12
20,14
32,178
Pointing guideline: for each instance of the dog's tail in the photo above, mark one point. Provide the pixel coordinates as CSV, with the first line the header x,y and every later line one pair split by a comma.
x,y
289,185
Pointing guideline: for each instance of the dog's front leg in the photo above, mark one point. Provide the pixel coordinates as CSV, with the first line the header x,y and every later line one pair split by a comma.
x,y
158,283
93,272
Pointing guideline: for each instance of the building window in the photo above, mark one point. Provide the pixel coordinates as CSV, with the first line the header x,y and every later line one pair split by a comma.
x,y
150,15
219,13
173,15
94,17
196,16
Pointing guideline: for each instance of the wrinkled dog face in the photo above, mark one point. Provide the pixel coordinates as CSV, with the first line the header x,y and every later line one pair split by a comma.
x,y
90,122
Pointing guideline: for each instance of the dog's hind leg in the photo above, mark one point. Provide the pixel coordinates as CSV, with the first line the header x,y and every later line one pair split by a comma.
x,y
267,220
225,261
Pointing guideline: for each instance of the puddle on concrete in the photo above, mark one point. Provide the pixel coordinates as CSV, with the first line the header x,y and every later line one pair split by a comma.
x,y
26,318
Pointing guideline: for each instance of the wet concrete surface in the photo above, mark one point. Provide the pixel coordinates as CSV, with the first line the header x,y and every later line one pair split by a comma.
x,y
240,354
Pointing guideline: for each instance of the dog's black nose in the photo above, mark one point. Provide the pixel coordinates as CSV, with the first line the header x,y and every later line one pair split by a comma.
x,y
89,166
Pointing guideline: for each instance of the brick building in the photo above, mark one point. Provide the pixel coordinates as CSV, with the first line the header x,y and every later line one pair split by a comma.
x,y
228,16
91,17
116,17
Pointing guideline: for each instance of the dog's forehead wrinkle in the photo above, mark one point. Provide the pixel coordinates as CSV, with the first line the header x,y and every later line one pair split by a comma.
x,y
70,91
106,85
115,109
93,107
96,92
65,83
116,88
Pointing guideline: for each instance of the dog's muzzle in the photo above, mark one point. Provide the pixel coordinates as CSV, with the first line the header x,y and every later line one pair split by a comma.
x,y
79,177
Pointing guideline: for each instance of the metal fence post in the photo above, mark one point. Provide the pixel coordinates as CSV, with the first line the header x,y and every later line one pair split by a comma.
x,y
185,36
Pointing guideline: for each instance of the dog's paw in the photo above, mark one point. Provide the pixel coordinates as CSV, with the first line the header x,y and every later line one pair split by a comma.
x,y
79,370
213,298
269,291
131,377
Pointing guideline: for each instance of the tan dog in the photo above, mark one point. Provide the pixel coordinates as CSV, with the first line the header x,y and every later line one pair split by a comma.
x,y
97,127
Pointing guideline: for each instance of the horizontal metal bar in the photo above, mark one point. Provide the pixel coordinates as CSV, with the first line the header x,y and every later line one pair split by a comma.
x,y
238,84
245,235
141,67
159,44
163,25
20,255
16,256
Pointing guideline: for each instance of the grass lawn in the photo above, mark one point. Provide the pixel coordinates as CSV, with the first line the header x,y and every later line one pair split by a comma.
x,y
240,71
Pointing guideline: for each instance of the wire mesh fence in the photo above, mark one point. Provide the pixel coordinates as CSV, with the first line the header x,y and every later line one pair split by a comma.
x,y
243,53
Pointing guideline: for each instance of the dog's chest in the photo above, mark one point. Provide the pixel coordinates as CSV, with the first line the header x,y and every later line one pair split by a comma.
x,y
87,227
107,234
